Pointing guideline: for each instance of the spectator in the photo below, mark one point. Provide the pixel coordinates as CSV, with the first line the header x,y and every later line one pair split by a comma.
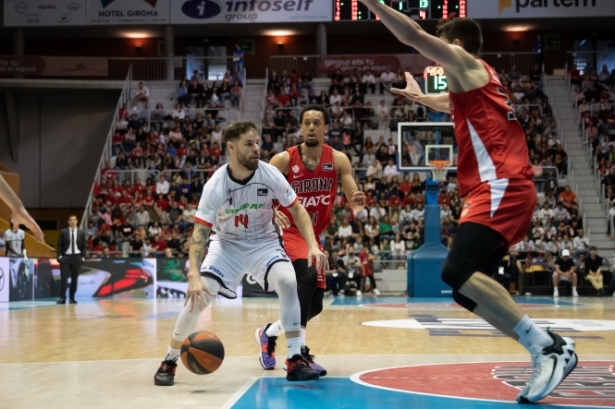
x,y
593,270
564,271
162,187
142,95
580,243
386,80
366,260
238,54
354,268
336,277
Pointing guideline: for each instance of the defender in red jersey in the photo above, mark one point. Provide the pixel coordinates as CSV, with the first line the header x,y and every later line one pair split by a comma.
x,y
313,170
496,179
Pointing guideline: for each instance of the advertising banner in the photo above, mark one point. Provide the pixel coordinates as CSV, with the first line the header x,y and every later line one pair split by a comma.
x,y
54,66
128,12
32,13
21,273
4,279
540,8
250,11
348,63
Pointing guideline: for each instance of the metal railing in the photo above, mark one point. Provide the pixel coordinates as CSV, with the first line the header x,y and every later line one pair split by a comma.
x,y
299,63
156,69
524,61
108,147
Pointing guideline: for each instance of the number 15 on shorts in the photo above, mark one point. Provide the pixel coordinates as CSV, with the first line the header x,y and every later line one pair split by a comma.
x,y
241,219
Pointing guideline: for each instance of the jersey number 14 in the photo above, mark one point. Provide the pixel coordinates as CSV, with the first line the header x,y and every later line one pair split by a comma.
x,y
241,219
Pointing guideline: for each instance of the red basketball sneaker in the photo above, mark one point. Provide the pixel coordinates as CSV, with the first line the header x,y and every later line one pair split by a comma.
x,y
165,375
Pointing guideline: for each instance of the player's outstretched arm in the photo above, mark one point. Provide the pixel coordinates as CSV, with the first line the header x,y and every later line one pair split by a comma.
x,y
409,32
413,91
304,224
200,236
355,198
20,214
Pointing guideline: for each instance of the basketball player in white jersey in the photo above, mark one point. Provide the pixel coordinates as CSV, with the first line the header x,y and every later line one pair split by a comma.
x,y
237,204
20,214
14,238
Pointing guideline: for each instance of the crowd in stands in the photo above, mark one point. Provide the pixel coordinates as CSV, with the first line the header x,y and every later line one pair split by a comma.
x,y
595,96
155,212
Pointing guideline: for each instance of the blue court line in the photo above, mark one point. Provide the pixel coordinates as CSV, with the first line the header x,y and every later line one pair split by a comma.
x,y
335,393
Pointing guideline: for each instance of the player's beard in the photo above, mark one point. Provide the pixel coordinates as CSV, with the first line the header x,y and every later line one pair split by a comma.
x,y
248,162
311,143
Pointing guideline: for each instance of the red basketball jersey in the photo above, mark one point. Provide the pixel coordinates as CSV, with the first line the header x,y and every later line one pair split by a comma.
x,y
316,189
491,142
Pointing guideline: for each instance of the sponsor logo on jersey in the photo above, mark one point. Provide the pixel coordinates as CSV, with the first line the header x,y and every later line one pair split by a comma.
x,y
312,185
271,260
327,166
213,270
245,206
262,192
296,168
312,201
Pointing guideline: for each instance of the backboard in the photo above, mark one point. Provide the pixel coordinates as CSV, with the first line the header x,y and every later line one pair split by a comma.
x,y
419,142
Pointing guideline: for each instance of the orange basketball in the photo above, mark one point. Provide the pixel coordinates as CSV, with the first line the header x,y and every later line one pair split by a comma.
x,y
202,353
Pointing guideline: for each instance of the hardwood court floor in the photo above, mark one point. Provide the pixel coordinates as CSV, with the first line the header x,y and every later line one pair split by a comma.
x,y
103,354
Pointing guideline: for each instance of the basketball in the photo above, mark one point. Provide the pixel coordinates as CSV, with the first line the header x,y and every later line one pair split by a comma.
x,y
202,353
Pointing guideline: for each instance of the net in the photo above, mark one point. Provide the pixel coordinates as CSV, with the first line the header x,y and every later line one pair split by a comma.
x,y
438,173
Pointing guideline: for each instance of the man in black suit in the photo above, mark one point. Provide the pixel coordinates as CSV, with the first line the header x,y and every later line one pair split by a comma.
x,y
71,250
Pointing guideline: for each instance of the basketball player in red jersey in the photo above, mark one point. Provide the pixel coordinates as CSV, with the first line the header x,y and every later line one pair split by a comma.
x,y
313,170
495,178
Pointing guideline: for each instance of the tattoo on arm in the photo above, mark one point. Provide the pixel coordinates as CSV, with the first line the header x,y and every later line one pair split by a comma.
x,y
200,237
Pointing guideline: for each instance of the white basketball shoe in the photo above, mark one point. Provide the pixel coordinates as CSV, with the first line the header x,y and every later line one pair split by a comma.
x,y
552,364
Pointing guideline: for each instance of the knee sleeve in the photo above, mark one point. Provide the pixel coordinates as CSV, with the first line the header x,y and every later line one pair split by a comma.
x,y
316,303
282,276
464,301
186,322
306,285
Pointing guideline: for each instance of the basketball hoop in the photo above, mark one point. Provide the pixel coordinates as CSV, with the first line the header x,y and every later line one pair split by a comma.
x,y
438,173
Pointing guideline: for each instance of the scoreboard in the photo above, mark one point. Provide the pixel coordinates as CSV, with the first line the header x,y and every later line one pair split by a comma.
x,y
354,10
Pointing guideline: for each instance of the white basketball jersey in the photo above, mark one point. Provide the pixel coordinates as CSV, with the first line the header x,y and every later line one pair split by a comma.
x,y
15,240
243,210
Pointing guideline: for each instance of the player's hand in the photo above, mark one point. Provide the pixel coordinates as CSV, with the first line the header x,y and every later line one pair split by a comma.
x,y
21,216
412,90
196,287
281,219
314,253
357,198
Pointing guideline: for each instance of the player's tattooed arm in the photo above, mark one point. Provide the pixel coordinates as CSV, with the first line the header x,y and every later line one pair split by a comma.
x,y
200,237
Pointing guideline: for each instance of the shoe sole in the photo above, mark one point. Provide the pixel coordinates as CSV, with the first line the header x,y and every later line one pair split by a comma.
x,y
572,363
257,338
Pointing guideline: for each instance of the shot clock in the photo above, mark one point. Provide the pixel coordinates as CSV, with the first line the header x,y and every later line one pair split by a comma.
x,y
435,80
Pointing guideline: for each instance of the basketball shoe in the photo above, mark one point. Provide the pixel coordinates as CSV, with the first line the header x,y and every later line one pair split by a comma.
x,y
267,348
305,351
552,364
165,375
298,369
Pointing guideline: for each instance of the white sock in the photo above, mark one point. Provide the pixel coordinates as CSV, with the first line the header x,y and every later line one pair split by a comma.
x,y
275,330
172,354
530,334
293,345
574,290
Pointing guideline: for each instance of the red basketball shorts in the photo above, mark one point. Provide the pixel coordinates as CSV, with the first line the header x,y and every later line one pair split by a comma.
x,y
503,205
